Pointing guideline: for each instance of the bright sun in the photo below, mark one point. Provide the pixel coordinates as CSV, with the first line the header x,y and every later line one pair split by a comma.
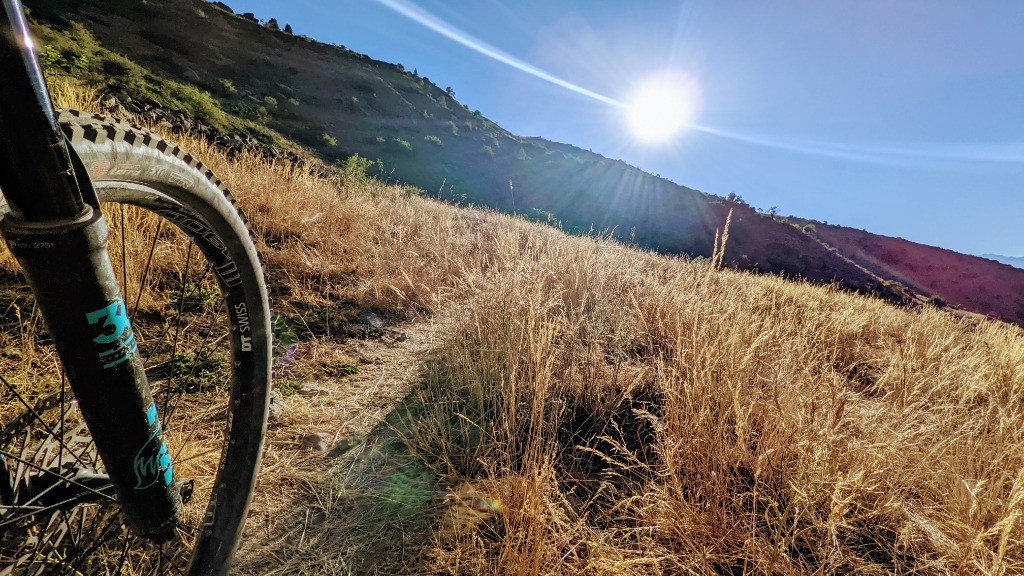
x,y
661,107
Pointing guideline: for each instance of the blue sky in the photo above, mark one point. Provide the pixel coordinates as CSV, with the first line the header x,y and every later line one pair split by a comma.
x,y
905,118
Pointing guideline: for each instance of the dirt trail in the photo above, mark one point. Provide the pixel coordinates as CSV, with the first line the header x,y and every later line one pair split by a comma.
x,y
357,505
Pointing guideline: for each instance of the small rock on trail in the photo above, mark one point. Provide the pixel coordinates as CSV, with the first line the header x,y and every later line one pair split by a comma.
x,y
317,441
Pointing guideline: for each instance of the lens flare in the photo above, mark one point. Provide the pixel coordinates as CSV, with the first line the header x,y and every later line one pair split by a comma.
x,y
661,107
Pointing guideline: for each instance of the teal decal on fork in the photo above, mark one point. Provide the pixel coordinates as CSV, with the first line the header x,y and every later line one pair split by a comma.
x,y
116,333
153,462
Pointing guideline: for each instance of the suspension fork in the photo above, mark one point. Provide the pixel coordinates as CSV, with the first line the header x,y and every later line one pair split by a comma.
x,y
58,234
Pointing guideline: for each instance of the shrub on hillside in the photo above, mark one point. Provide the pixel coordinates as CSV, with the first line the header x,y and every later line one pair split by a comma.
x,y
74,52
396,143
355,168
228,87
254,113
64,61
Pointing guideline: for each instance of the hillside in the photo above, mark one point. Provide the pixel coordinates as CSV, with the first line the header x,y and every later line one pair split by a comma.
x,y
977,284
287,90
540,403
1015,261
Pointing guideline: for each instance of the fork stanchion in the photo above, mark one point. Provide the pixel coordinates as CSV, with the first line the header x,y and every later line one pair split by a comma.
x,y
36,173
78,294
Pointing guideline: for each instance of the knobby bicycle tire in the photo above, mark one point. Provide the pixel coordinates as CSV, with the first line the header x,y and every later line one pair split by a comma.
x,y
134,168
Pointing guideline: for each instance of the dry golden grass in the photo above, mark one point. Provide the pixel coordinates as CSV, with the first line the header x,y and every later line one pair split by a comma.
x,y
325,242
639,414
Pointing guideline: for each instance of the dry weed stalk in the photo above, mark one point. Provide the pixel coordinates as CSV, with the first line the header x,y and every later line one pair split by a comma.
x,y
718,252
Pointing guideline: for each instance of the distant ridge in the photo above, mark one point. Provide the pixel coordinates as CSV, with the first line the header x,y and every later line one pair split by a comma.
x,y
1015,261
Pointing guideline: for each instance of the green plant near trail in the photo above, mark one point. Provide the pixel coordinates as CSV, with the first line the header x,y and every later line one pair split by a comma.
x,y
328,140
287,387
197,372
193,297
282,332
342,369
433,140
252,113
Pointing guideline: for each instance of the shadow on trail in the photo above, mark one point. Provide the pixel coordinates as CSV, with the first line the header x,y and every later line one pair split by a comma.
x,y
369,512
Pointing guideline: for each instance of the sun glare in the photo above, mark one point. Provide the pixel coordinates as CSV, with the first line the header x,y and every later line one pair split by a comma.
x,y
661,107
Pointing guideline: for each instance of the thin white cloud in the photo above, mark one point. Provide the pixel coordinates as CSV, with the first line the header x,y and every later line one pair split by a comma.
x,y
428,20
903,154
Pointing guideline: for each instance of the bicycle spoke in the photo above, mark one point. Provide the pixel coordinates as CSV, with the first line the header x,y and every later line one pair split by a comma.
x,y
60,453
104,533
124,554
170,413
35,415
206,338
149,264
168,326
199,455
124,256
70,533
37,510
177,319
47,545
54,474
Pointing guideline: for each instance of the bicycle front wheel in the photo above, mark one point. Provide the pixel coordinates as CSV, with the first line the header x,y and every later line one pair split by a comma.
x,y
193,285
